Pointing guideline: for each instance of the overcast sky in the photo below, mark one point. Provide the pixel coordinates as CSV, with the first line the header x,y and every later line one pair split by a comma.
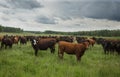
x,y
60,15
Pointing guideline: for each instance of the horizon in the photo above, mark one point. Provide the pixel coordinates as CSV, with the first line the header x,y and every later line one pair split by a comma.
x,y
57,30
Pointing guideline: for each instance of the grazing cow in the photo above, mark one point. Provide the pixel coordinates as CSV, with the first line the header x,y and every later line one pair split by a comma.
x,y
23,40
43,44
6,41
72,48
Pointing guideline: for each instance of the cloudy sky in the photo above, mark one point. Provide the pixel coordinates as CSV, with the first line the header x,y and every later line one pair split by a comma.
x,y
60,15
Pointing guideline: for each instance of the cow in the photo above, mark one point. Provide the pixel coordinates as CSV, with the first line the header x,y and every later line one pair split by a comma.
x,y
65,38
15,39
81,39
23,40
43,44
91,41
110,45
6,41
72,48
117,47
1,37
99,40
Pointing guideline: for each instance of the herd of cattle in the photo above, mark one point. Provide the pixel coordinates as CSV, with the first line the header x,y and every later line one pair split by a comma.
x,y
65,44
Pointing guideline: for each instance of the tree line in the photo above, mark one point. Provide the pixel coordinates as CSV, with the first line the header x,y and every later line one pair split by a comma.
x,y
10,29
109,33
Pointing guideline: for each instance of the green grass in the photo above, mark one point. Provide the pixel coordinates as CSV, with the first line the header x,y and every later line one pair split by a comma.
x,y
21,62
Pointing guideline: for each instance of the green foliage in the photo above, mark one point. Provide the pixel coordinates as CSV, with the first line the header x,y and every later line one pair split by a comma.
x,y
109,33
21,62
10,29
1,28
88,33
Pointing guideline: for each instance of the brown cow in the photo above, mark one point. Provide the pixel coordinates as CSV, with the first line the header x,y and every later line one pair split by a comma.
x,y
1,37
72,48
43,44
91,41
15,39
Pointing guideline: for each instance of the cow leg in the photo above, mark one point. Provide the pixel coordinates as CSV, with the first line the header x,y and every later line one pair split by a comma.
x,y
52,49
60,54
25,42
118,52
78,57
58,51
10,46
2,45
110,51
36,51
105,51
6,46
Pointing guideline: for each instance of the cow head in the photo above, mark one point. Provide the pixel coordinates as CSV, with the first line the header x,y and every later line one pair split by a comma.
x,y
34,42
86,44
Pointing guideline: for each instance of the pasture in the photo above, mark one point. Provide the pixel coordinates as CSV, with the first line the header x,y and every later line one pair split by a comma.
x,y
20,61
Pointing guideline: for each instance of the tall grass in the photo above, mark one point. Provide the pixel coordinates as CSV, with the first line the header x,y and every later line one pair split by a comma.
x,y
21,62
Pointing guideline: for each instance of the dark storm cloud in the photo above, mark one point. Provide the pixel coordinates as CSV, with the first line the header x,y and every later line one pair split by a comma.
x,y
91,9
102,10
45,20
22,4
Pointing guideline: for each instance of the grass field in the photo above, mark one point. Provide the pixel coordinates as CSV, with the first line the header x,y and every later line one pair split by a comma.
x,y
21,62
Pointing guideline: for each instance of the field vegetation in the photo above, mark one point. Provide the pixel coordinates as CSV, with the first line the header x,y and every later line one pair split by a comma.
x,y
20,61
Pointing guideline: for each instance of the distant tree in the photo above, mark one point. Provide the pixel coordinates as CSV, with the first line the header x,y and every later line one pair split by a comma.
x,y
10,29
0,28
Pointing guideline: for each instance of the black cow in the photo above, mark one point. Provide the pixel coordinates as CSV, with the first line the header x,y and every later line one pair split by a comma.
x,y
6,41
65,38
43,44
23,40
81,39
110,45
